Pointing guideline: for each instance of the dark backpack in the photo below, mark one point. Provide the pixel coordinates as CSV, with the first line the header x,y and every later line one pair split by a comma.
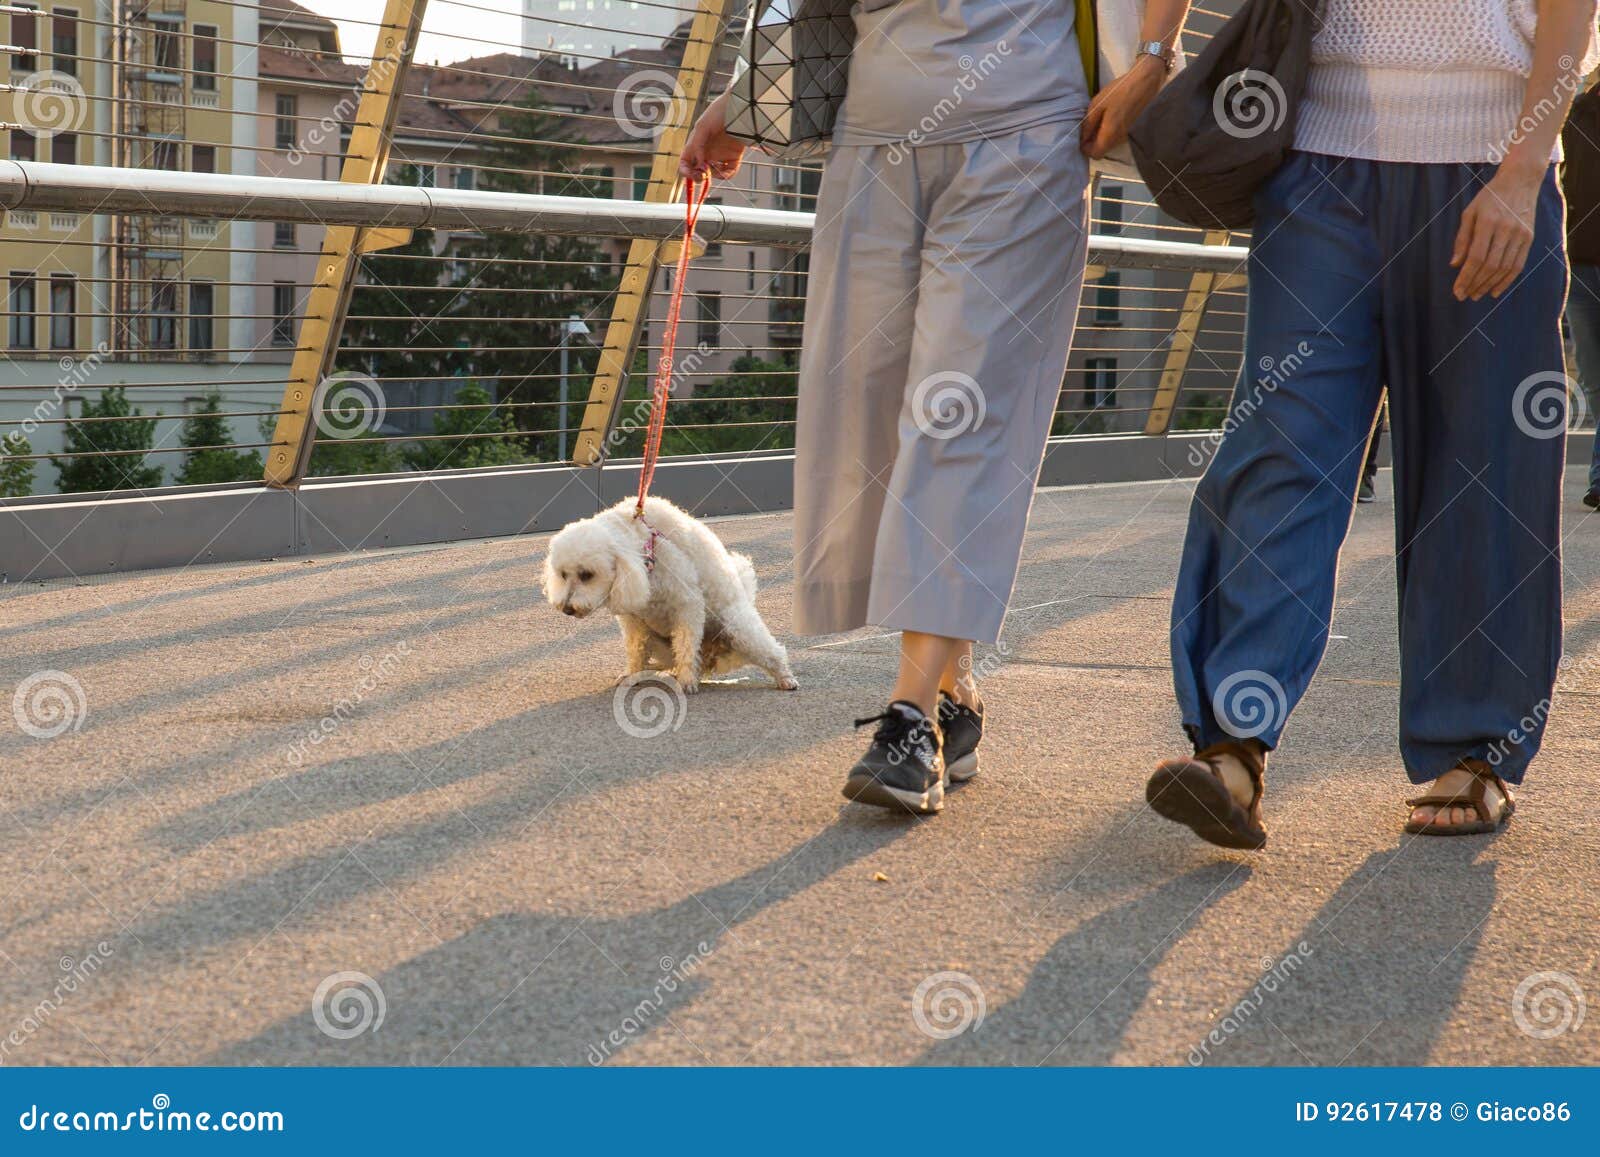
x,y
1226,122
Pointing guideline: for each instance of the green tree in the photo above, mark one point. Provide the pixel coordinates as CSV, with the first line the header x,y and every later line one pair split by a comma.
x,y
206,427
363,455
750,409
459,435
16,470
93,461
520,286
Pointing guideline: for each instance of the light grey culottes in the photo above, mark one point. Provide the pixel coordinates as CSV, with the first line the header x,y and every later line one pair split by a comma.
x,y
943,289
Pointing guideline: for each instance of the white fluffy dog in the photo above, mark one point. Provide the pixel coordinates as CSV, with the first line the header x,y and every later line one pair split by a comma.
x,y
692,613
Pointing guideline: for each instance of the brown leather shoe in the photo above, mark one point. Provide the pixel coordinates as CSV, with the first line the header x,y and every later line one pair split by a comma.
x,y
1191,791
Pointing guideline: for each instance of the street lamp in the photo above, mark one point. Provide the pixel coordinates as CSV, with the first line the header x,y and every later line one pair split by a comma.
x,y
571,328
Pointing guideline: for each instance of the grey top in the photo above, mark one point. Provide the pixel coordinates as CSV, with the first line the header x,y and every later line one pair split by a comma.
x,y
929,72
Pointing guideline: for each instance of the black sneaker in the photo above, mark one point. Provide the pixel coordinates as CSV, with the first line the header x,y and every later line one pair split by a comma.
x,y
1592,499
963,730
904,767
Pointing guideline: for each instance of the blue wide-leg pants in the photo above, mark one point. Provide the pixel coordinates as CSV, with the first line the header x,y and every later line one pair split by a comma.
x,y
1350,291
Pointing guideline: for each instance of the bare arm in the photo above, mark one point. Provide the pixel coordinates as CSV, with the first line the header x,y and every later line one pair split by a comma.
x,y
1496,231
1113,109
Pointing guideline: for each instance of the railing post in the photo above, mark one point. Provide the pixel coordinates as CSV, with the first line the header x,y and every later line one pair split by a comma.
x,y
1170,384
342,245
630,308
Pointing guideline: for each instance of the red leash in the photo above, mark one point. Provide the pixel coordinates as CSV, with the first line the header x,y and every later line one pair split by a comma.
x,y
695,192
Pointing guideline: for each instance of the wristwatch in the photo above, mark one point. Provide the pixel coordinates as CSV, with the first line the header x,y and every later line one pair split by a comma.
x,y
1157,49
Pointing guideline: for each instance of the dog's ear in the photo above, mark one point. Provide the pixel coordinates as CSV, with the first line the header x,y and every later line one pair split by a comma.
x,y
630,585
548,578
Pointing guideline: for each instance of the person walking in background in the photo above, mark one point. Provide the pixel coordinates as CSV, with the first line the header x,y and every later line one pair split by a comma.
x,y
946,268
1580,179
1414,239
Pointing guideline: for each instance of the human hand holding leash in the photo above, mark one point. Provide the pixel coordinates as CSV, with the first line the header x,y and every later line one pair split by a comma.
x,y
710,148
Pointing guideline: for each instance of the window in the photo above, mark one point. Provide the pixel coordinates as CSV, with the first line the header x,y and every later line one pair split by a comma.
x,y
21,305
164,154
63,311
1111,209
710,327
288,133
203,158
64,40
205,58
25,37
427,176
283,235
163,314
464,177
23,146
599,181
1100,382
64,148
751,257
1106,292
166,49
641,181
283,313
202,302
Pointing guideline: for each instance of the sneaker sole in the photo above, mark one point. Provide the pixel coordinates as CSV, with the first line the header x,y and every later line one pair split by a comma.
x,y
866,789
963,769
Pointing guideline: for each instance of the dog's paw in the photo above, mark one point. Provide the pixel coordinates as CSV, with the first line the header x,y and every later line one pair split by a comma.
x,y
688,684
787,683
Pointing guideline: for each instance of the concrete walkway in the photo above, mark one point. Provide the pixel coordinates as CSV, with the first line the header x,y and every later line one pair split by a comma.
x,y
381,809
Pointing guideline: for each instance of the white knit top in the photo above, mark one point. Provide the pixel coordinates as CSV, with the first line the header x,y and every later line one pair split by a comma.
x,y
1427,81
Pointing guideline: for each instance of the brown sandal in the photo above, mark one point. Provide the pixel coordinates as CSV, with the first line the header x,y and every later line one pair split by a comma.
x,y
1475,797
1191,791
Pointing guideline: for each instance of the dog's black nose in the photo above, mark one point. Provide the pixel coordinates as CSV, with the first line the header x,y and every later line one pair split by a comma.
x,y
569,611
